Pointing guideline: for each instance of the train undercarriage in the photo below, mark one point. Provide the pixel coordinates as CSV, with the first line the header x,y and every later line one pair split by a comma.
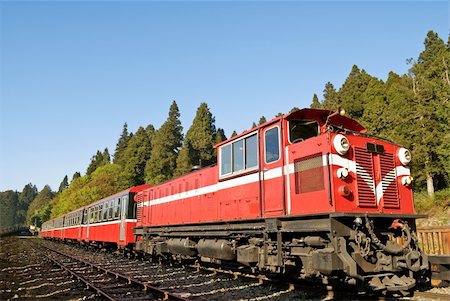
x,y
374,252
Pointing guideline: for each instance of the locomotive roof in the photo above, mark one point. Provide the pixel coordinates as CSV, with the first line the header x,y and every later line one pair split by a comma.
x,y
319,115
322,116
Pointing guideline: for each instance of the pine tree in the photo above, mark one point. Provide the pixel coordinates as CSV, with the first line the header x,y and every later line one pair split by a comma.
x,y
106,157
376,116
122,144
137,154
253,125
64,184
76,175
8,204
262,120
184,164
220,136
39,209
27,195
315,103
234,134
199,141
351,93
166,143
330,97
431,93
97,161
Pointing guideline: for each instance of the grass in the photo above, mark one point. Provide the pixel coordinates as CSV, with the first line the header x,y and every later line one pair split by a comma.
x,y
437,208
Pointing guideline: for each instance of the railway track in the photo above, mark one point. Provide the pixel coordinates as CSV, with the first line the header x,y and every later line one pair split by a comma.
x,y
107,283
430,296
141,279
189,282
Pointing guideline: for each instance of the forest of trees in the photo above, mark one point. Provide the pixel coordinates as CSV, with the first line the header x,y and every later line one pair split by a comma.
x,y
412,109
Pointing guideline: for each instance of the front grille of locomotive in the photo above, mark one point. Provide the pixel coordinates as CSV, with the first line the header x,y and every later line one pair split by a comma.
x,y
366,170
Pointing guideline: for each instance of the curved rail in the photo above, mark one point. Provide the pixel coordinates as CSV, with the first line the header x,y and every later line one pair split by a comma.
x,y
128,280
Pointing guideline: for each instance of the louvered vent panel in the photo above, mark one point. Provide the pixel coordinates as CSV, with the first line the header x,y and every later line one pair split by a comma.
x,y
309,174
389,182
139,200
365,176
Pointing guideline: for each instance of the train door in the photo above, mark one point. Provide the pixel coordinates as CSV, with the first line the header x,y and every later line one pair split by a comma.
x,y
272,170
80,222
88,221
123,203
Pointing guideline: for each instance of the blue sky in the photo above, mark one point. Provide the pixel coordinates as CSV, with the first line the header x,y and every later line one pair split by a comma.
x,y
72,73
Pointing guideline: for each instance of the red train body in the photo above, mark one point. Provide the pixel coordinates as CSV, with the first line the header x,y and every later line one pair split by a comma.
x,y
305,194
108,221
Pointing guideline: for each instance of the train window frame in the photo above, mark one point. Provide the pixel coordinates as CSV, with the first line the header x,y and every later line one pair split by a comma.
x,y
105,211
117,208
110,210
306,120
265,144
245,169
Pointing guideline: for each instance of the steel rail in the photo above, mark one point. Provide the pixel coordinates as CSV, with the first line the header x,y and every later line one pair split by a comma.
x,y
146,286
431,296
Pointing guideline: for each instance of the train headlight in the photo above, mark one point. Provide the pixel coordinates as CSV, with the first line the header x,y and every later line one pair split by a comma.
x,y
404,156
342,173
406,181
341,144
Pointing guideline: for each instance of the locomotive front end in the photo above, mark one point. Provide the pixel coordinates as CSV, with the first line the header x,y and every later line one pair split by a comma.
x,y
354,193
372,190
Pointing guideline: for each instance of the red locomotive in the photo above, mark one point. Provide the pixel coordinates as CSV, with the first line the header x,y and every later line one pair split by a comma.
x,y
306,194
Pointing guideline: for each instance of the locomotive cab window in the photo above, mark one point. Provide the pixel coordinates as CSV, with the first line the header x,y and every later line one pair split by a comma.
x,y
300,130
239,156
272,145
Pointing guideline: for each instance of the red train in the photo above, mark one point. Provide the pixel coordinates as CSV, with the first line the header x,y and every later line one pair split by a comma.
x,y
306,194
108,221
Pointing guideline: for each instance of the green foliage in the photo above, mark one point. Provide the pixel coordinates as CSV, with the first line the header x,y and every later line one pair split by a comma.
x,y
315,103
234,134
8,204
105,180
96,161
220,136
64,184
437,207
76,175
330,97
350,95
184,164
39,210
27,195
262,120
137,154
122,145
198,146
166,143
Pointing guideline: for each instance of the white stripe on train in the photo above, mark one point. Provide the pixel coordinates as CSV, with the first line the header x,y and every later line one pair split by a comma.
x,y
267,175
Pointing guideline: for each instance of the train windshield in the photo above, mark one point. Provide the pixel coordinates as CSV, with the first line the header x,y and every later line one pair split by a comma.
x,y
302,129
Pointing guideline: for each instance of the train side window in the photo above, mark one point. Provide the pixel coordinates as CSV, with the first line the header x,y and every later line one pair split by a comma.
x,y
117,212
225,160
251,152
105,211
238,155
91,214
272,145
110,210
300,130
